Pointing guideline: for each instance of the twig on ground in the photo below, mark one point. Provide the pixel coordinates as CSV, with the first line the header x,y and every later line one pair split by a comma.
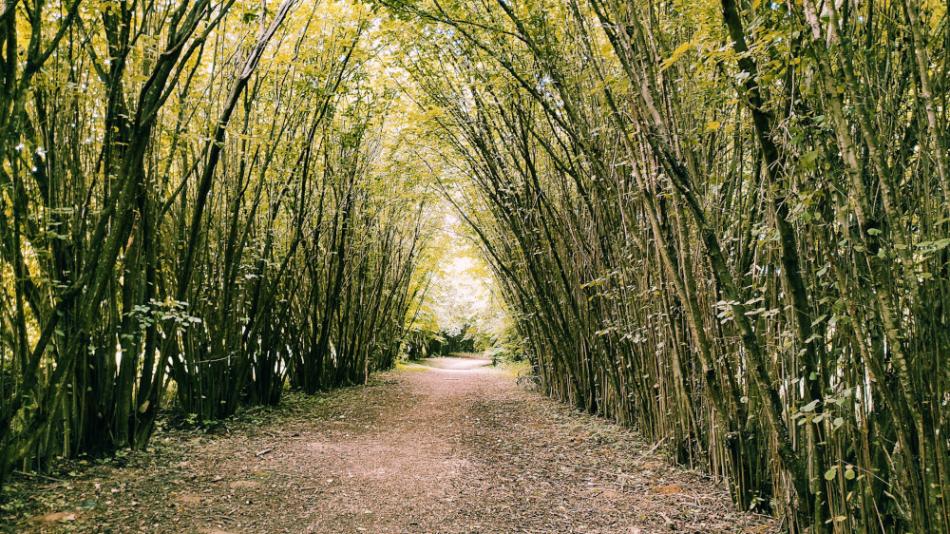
x,y
37,475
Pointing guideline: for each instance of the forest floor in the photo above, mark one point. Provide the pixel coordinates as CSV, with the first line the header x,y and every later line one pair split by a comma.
x,y
450,445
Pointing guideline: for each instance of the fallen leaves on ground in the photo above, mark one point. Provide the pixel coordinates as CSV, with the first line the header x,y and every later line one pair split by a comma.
x,y
445,449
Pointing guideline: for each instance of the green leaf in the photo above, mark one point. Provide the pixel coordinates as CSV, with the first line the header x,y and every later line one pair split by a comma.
x,y
808,159
831,473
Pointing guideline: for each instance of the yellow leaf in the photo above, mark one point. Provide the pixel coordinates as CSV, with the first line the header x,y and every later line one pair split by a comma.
x,y
712,126
677,53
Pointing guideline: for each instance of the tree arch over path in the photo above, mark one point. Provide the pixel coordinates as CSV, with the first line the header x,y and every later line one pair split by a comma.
x,y
722,222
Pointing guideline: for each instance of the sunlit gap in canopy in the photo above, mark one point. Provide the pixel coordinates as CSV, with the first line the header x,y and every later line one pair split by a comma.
x,y
462,310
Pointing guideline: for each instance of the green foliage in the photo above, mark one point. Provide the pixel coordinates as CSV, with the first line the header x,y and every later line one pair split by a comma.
x,y
199,199
723,222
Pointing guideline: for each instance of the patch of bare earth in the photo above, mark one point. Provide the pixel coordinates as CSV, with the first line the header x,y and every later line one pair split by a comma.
x,y
451,446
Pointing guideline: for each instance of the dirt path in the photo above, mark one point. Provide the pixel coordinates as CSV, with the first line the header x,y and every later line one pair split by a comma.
x,y
450,446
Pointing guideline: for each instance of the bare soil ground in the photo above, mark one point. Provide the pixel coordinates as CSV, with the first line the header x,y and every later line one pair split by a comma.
x,y
449,446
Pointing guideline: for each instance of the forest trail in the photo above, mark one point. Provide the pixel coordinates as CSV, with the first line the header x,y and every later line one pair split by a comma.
x,y
450,445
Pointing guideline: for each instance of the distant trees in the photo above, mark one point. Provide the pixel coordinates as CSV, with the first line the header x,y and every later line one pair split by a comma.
x,y
193,203
725,222
446,343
